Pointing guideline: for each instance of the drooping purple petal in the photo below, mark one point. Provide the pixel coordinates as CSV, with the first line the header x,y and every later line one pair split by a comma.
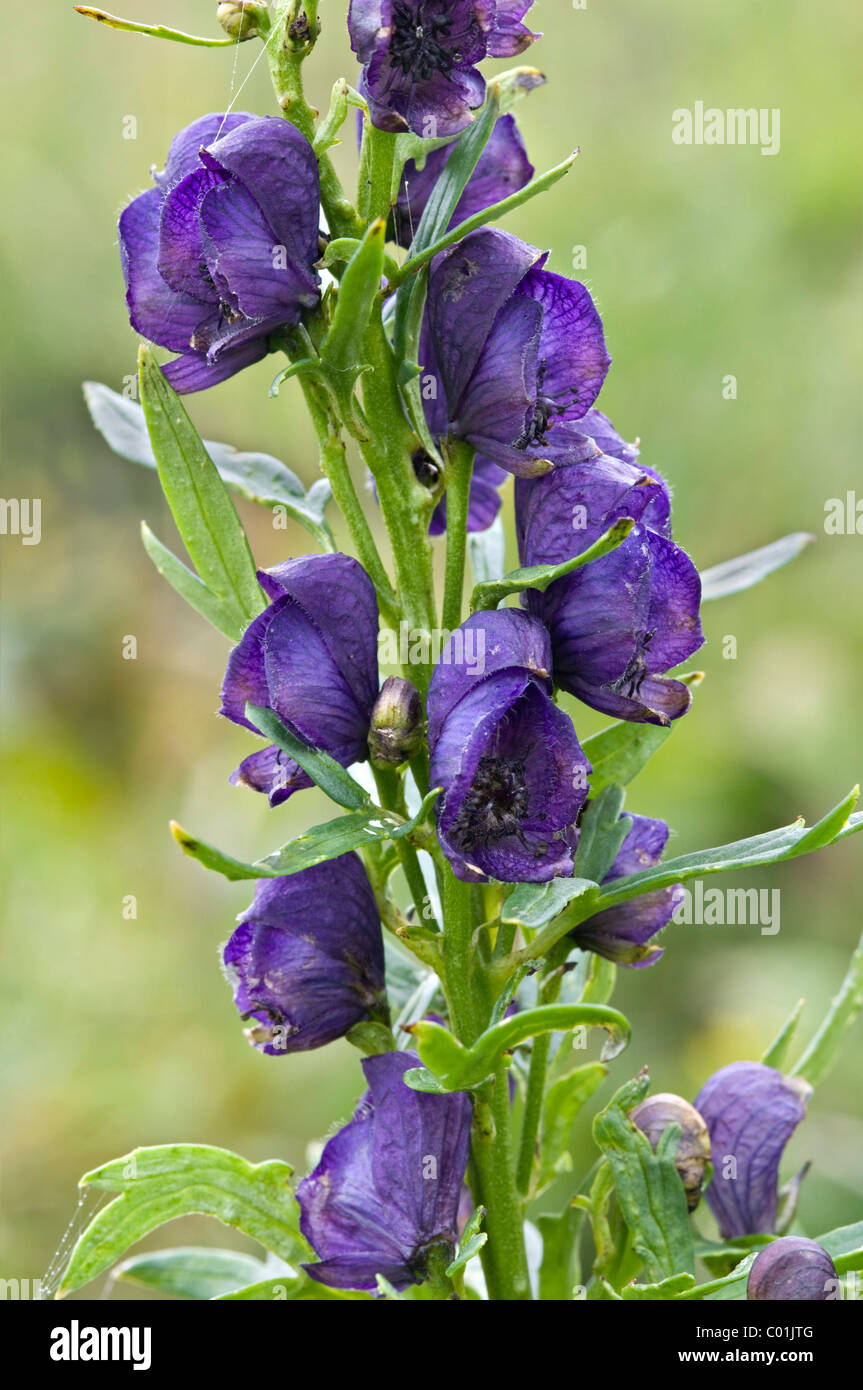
x,y
307,959
387,1187
184,153
573,360
623,933
751,1111
484,644
156,311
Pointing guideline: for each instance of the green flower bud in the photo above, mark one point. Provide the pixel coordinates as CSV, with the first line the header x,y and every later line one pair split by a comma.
x,y
655,1114
241,18
396,730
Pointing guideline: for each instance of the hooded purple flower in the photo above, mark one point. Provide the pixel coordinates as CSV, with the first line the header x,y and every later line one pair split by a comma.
x,y
617,623
792,1270
419,57
512,770
387,1188
622,933
751,1112
503,168
307,960
221,252
519,352
312,657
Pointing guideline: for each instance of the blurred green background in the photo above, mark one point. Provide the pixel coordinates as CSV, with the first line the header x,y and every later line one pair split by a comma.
x,y
705,261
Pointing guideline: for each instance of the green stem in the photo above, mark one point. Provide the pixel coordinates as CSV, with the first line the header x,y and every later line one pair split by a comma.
x,y
391,796
503,1256
535,1093
459,468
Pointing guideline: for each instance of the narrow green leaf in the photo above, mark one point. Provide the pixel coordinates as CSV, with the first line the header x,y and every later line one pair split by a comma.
x,y
192,1271
258,477
154,31
649,1190
559,1271
603,831
189,586
158,1184
204,513
472,1241
733,575
316,846
358,289
617,754
771,848
324,771
844,1009
531,905
458,1068
289,1289
777,1053
541,576
657,1293
564,1099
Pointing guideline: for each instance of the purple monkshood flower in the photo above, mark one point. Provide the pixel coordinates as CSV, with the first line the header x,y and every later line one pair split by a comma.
x,y
311,656
221,252
503,168
387,1188
419,57
622,934
617,623
307,960
792,1270
751,1111
519,353
512,770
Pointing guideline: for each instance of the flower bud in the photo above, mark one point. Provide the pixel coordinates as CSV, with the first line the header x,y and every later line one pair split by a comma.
x,y
240,18
396,729
655,1114
792,1270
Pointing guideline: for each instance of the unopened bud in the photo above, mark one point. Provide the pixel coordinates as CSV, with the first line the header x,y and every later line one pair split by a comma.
x,y
241,18
655,1114
396,729
792,1270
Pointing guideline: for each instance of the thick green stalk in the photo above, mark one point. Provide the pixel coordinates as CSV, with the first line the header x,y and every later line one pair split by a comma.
x,y
535,1093
459,469
391,796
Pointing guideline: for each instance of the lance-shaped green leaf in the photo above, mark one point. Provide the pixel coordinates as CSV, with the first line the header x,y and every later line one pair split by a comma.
x,y
772,848
187,584
541,576
154,31
472,1241
298,1288
844,1009
649,1190
541,184
316,846
777,1053
563,1100
602,833
203,511
733,575
666,1289
617,754
342,99
192,1271
453,1067
559,1271
157,1184
359,286
532,905
258,477
324,771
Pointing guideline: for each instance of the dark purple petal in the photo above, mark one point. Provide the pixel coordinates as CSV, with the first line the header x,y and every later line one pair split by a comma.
x,y
573,358
503,168
184,154
486,643
181,248
307,960
622,933
513,775
246,262
272,772
509,36
468,286
751,1112
192,372
564,514
277,165
792,1270
388,1184
155,310
602,431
